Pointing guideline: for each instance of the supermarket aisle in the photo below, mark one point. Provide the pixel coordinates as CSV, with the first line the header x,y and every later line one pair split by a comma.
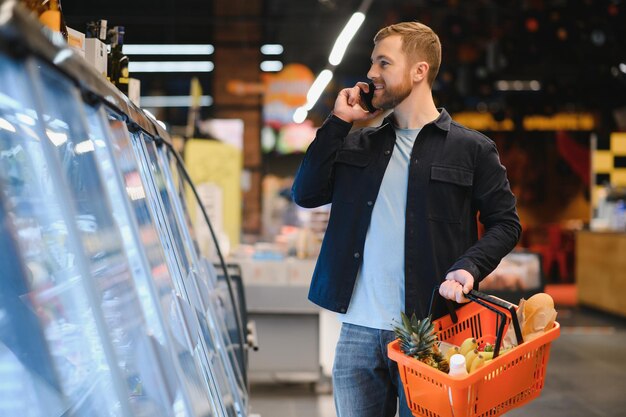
x,y
585,378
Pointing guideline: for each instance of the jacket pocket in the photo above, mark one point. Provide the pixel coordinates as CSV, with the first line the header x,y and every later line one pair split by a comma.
x,y
349,169
449,193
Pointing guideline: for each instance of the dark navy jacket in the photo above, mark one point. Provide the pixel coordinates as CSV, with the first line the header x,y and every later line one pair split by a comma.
x,y
454,173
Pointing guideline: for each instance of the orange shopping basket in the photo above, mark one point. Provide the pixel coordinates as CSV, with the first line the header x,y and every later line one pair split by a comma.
x,y
508,381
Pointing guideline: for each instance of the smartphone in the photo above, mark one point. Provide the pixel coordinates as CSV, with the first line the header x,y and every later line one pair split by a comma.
x,y
366,98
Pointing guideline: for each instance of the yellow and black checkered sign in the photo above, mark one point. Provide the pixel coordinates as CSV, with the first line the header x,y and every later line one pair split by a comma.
x,y
608,162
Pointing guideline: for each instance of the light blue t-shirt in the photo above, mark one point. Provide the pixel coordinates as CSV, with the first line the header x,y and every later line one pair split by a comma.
x,y
378,295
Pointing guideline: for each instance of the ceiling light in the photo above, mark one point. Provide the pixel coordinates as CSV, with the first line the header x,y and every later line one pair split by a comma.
x,y
272,49
171,66
317,88
170,49
622,67
173,101
300,115
518,85
271,66
502,85
346,35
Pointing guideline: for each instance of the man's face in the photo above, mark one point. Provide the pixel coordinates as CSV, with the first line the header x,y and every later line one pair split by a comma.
x,y
389,73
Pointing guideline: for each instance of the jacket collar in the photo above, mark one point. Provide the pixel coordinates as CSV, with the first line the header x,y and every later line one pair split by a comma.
x,y
442,122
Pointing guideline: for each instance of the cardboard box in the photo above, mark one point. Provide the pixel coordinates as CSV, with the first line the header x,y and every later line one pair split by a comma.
x,y
76,41
96,54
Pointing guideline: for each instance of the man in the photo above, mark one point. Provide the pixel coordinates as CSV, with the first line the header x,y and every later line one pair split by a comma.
x,y
405,197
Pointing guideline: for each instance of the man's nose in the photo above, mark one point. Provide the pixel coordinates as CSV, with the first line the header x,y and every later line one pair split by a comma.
x,y
372,73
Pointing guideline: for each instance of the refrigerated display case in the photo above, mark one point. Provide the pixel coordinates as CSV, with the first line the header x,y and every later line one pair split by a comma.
x,y
217,304
156,288
106,308
55,288
194,279
224,281
139,184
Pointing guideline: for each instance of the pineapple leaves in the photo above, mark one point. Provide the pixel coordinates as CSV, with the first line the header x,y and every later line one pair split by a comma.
x,y
417,338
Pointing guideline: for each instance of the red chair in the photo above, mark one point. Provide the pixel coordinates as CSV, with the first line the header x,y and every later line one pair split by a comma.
x,y
555,250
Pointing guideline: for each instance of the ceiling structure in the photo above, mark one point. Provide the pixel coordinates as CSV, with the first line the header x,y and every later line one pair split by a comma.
x,y
575,50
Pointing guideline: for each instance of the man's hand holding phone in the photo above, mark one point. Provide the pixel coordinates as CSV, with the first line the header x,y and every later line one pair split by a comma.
x,y
351,104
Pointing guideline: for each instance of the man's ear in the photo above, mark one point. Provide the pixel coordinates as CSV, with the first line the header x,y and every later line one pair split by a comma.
x,y
419,71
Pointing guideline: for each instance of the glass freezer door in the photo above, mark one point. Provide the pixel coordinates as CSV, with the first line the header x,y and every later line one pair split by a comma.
x,y
205,282
154,284
30,384
213,349
167,291
151,392
56,292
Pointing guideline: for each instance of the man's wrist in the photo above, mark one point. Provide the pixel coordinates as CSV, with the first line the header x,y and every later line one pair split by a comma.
x,y
341,117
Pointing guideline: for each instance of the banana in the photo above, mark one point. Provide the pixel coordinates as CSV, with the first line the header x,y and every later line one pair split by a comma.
x,y
477,362
450,352
468,345
469,358
487,355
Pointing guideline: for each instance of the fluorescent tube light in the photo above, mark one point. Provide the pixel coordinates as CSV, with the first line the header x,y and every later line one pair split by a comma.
x,y
518,85
300,115
272,49
173,101
271,66
317,88
170,49
170,66
346,35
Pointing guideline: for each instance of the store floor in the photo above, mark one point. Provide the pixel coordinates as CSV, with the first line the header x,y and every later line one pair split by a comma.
x,y
586,376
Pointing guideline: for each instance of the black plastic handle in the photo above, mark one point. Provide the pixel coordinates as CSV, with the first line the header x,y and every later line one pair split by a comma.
x,y
483,299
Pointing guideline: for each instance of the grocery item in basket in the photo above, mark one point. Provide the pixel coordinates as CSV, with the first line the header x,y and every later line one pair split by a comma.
x,y
418,339
538,315
451,351
535,315
458,365
468,345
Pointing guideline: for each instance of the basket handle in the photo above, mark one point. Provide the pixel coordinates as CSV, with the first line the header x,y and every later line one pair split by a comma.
x,y
449,304
483,299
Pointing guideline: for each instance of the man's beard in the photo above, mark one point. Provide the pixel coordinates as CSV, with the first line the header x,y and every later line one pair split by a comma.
x,y
392,96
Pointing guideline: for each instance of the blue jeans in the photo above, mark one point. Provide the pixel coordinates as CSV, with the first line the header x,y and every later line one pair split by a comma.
x,y
366,383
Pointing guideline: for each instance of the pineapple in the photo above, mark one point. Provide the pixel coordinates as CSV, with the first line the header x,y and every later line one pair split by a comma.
x,y
418,339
